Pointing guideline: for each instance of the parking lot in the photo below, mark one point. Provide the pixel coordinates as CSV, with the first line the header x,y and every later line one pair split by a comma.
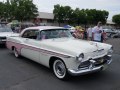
x,y
24,74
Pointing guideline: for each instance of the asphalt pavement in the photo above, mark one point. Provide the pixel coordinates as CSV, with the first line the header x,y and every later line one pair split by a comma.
x,y
24,74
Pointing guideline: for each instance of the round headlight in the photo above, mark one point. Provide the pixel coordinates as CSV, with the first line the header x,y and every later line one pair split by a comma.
x,y
80,57
110,51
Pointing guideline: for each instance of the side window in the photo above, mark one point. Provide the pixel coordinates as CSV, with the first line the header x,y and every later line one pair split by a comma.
x,y
44,34
31,34
26,34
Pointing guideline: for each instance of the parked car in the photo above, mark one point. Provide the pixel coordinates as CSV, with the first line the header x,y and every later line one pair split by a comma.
x,y
5,32
110,32
117,35
56,48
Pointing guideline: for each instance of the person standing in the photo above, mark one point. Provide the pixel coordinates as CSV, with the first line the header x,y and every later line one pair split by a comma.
x,y
89,33
85,34
97,33
104,36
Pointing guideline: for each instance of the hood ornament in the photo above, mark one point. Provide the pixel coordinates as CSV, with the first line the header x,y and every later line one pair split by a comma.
x,y
93,43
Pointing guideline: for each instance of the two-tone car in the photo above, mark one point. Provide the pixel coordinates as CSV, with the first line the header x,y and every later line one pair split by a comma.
x,y
56,48
6,32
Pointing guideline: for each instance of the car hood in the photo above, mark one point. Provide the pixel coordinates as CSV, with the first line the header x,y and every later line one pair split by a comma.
x,y
7,34
72,46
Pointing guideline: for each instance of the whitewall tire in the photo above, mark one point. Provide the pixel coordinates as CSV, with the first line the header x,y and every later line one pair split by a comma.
x,y
60,70
16,52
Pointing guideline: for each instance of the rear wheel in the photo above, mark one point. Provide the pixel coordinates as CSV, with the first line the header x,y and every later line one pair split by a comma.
x,y
60,70
16,52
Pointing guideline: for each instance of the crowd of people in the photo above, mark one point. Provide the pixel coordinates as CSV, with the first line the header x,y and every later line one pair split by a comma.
x,y
95,33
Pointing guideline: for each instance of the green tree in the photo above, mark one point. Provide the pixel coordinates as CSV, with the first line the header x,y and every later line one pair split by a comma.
x,y
59,13
116,19
67,14
77,16
20,10
7,10
28,9
2,7
89,16
94,16
83,16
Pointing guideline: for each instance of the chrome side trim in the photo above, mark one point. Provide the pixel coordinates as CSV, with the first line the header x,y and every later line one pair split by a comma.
x,y
35,48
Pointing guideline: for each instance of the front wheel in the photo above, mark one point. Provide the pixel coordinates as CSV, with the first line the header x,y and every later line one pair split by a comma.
x,y
60,70
16,52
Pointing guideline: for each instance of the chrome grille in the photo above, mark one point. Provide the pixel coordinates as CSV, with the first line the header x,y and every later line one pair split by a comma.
x,y
98,62
84,65
102,60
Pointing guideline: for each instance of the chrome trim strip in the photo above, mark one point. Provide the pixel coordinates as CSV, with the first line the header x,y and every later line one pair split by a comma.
x,y
38,49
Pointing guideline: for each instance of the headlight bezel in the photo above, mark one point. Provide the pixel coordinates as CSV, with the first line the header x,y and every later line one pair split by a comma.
x,y
80,57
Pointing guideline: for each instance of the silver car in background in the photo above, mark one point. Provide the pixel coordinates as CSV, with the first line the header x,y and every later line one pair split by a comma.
x,y
4,33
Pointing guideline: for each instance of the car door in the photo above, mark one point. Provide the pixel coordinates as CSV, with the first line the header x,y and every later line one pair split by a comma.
x,y
31,46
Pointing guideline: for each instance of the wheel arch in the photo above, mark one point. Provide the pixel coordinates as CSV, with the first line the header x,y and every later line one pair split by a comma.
x,y
52,59
12,48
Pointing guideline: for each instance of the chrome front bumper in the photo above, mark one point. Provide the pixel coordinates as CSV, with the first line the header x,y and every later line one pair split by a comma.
x,y
92,68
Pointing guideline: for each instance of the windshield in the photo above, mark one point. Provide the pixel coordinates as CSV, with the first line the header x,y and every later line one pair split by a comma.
x,y
5,30
55,33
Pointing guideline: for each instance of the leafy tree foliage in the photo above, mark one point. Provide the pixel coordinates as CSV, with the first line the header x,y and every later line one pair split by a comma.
x,y
59,13
2,7
116,19
67,13
19,9
94,16
77,16
62,13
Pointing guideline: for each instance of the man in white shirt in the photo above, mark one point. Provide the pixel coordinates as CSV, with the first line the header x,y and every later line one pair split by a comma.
x,y
97,32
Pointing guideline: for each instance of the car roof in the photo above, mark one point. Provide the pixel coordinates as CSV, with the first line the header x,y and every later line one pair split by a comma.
x,y
45,27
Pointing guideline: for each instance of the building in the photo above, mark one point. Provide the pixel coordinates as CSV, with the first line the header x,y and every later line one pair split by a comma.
x,y
109,24
45,18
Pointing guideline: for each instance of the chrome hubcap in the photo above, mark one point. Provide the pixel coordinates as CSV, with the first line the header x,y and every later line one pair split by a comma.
x,y
16,53
60,68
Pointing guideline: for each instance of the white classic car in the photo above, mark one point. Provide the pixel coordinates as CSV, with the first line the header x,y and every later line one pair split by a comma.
x,y
55,48
4,33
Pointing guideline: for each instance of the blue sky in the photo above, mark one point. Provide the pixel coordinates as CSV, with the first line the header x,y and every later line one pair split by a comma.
x,y
113,6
